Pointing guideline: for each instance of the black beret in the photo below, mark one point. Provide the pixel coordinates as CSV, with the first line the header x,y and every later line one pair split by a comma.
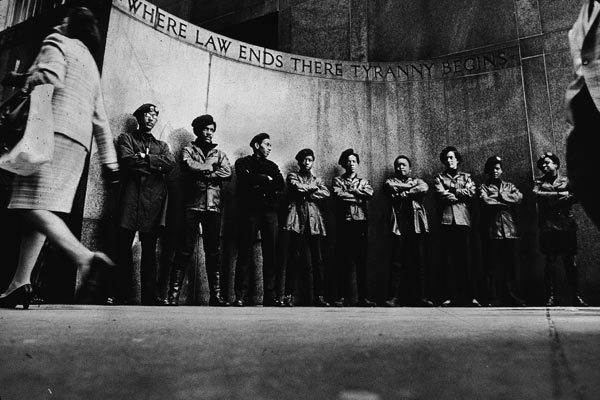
x,y
203,121
549,155
259,138
144,108
347,153
493,160
304,153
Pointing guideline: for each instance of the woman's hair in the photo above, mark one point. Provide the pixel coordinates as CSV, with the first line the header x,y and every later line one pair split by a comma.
x,y
82,25
447,150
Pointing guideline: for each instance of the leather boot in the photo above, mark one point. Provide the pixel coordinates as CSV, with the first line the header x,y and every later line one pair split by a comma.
x,y
175,284
320,302
214,283
573,282
549,282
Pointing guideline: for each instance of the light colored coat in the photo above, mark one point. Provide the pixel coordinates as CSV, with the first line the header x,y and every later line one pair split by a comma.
x,y
453,192
408,213
303,209
77,103
584,42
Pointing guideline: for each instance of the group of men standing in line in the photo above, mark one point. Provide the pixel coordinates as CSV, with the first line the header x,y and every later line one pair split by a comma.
x,y
146,160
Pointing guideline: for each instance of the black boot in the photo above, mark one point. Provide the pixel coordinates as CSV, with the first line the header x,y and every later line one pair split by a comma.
x,y
573,282
175,284
214,283
549,281
320,302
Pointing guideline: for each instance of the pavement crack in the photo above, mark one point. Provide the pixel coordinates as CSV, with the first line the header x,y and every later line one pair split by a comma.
x,y
559,366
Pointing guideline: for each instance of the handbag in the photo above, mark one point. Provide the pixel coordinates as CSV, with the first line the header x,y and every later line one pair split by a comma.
x,y
13,119
35,146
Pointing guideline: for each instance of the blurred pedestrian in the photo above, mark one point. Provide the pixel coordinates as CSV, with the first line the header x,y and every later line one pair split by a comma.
x,y
66,62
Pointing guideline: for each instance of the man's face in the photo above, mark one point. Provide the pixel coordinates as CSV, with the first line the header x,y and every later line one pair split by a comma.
x,y
351,164
549,167
148,121
451,161
205,134
263,148
306,163
495,172
402,167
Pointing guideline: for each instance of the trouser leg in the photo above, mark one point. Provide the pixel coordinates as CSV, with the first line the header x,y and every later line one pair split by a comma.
x,y
361,250
342,259
395,267
148,267
268,230
211,236
123,279
549,278
317,265
183,254
249,230
289,243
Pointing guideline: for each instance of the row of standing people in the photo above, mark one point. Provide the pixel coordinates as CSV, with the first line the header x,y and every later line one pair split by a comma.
x,y
144,160
66,62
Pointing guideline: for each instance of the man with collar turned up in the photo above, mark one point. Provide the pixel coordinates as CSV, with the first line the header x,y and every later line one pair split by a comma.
x,y
259,185
205,168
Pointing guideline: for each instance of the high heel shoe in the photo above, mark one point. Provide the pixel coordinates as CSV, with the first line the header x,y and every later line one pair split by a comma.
x,y
96,282
21,295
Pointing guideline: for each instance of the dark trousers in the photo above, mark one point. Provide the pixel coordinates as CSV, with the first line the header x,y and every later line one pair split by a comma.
x,y
582,152
571,274
407,275
148,265
211,239
252,222
291,244
502,262
456,253
351,257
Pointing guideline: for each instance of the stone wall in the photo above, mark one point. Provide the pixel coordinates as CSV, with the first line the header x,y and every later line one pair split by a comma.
x,y
494,101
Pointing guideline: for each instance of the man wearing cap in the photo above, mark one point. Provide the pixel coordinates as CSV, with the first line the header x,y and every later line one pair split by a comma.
x,y
582,101
304,221
144,161
259,185
205,169
558,231
498,202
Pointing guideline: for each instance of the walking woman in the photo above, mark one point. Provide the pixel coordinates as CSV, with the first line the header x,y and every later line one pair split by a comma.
x,y
66,62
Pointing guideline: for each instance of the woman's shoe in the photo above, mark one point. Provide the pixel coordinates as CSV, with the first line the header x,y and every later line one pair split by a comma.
x,y
95,283
21,295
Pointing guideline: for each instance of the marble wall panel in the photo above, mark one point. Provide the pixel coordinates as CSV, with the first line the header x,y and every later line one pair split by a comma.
x,y
558,15
320,29
510,111
439,28
528,17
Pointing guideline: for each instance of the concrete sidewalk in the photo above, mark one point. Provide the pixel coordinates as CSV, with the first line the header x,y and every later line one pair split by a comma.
x,y
88,352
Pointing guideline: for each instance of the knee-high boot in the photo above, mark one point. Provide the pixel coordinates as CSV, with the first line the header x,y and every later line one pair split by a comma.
x,y
214,284
175,284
